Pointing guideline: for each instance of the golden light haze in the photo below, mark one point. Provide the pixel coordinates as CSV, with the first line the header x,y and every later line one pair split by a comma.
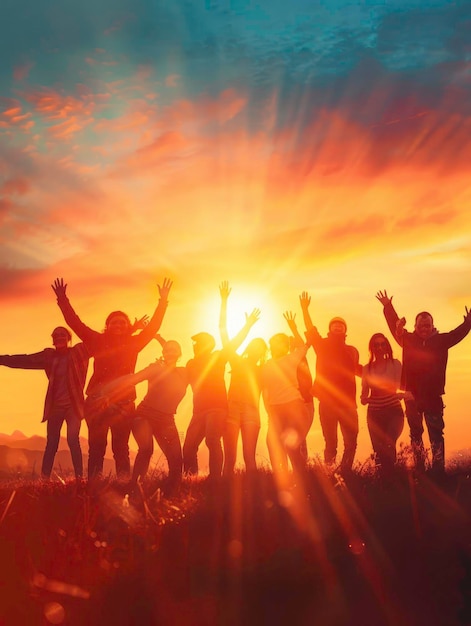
x,y
189,189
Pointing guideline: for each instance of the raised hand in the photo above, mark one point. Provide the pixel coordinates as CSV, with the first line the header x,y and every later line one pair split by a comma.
x,y
253,317
164,290
400,326
383,297
59,288
224,290
290,317
467,316
140,324
304,300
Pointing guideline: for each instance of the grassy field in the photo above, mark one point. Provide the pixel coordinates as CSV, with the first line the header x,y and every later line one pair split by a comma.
x,y
331,552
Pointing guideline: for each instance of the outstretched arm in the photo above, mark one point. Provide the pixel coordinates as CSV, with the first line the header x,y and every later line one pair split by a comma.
x,y
118,388
35,361
224,292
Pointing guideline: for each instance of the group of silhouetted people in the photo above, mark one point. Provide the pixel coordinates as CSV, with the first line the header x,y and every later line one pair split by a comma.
x,y
278,372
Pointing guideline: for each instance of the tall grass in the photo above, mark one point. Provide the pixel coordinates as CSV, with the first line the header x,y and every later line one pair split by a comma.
x,y
331,551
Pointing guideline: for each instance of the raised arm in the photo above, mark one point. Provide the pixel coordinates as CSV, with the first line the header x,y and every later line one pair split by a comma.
x,y
151,329
85,333
250,320
290,318
460,332
396,324
160,339
305,301
224,292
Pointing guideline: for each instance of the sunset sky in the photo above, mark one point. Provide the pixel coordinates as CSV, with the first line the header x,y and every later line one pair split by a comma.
x,y
282,146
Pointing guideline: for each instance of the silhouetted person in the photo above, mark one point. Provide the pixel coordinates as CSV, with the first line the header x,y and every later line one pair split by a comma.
x,y
425,356
210,407
381,381
66,368
335,385
155,415
303,375
115,353
288,417
243,395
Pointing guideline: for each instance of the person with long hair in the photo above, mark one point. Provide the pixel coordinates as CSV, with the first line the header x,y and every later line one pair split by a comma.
x,y
115,352
66,368
243,395
155,415
288,415
381,380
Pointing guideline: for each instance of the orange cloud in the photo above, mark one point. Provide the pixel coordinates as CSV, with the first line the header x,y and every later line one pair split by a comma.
x,y
17,185
54,105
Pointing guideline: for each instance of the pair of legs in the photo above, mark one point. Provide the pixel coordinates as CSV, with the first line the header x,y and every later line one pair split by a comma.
x,y
288,425
161,426
208,426
430,411
242,418
118,419
333,414
54,425
385,426
310,410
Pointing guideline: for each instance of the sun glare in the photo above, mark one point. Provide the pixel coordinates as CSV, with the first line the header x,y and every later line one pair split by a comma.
x,y
243,300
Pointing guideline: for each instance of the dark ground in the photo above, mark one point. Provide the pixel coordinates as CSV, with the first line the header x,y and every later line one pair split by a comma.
x,y
355,552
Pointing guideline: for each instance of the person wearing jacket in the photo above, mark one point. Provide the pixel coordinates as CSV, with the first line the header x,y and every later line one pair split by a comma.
x,y
337,365
425,357
115,354
66,368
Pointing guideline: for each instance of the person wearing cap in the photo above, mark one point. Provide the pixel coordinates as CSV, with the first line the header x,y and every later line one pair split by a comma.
x,y
206,372
66,368
115,352
424,359
337,365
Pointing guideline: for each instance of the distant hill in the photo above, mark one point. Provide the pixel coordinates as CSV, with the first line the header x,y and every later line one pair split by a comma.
x,y
22,456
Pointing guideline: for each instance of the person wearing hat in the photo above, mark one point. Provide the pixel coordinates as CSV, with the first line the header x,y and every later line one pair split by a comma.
x,y
337,365
206,372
